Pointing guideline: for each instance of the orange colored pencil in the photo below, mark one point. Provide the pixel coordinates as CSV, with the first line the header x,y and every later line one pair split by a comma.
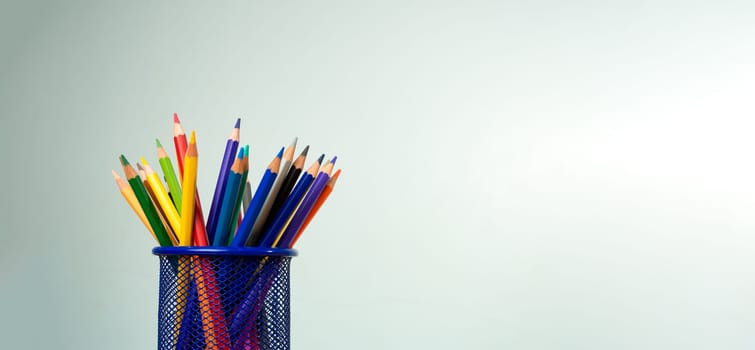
x,y
320,200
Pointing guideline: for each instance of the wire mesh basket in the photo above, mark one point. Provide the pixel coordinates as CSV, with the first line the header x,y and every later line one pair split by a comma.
x,y
224,298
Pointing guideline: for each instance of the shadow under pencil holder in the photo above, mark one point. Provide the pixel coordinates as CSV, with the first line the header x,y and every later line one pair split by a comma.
x,y
224,298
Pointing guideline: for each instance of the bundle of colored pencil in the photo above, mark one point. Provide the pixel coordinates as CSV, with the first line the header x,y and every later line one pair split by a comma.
x,y
275,215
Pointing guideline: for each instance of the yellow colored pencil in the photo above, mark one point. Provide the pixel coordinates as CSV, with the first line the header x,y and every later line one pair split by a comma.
x,y
188,187
162,197
158,207
130,197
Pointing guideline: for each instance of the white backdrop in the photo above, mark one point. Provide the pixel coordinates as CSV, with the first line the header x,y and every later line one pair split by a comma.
x,y
516,175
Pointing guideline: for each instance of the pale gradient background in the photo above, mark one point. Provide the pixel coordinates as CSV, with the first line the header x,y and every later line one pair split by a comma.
x,y
535,175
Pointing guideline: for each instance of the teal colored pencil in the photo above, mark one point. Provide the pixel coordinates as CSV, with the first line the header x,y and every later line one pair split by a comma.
x,y
223,223
240,195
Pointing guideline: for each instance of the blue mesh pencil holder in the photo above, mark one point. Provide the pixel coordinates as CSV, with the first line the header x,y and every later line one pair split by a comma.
x,y
224,298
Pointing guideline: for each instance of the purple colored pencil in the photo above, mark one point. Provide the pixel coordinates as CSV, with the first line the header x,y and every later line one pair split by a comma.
x,y
306,205
231,147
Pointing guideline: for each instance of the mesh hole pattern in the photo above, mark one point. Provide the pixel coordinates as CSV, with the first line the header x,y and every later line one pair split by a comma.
x,y
224,302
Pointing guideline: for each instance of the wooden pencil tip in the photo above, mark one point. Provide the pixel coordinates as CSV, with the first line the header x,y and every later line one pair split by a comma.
x,y
175,118
241,154
293,143
280,153
334,178
238,123
322,156
333,161
246,151
115,175
123,160
159,145
193,138
144,161
304,152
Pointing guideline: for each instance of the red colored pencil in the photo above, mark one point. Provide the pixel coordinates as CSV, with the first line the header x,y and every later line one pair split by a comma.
x,y
199,232
179,140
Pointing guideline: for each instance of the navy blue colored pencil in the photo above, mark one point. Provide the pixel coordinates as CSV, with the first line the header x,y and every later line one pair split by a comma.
x,y
272,234
287,184
306,205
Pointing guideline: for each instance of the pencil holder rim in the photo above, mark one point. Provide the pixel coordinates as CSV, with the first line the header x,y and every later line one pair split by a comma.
x,y
224,251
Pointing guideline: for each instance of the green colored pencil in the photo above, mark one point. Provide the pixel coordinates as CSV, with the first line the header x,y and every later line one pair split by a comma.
x,y
146,203
170,175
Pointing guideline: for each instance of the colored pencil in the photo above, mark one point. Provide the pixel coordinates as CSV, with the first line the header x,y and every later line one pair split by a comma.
x,y
183,279
236,217
288,184
153,197
223,225
145,202
199,234
243,236
272,234
128,194
179,140
320,200
247,196
231,147
161,197
297,220
262,218
188,187
170,175
213,320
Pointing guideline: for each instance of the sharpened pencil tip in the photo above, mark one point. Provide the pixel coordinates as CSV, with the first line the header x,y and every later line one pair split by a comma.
x,y
115,175
144,161
241,153
159,145
124,161
322,156
293,143
175,118
333,161
238,123
246,151
193,138
334,178
280,153
304,152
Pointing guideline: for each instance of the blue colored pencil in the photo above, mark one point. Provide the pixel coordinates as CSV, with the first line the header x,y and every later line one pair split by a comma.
x,y
306,205
272,234
231,147
224,218
243,236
